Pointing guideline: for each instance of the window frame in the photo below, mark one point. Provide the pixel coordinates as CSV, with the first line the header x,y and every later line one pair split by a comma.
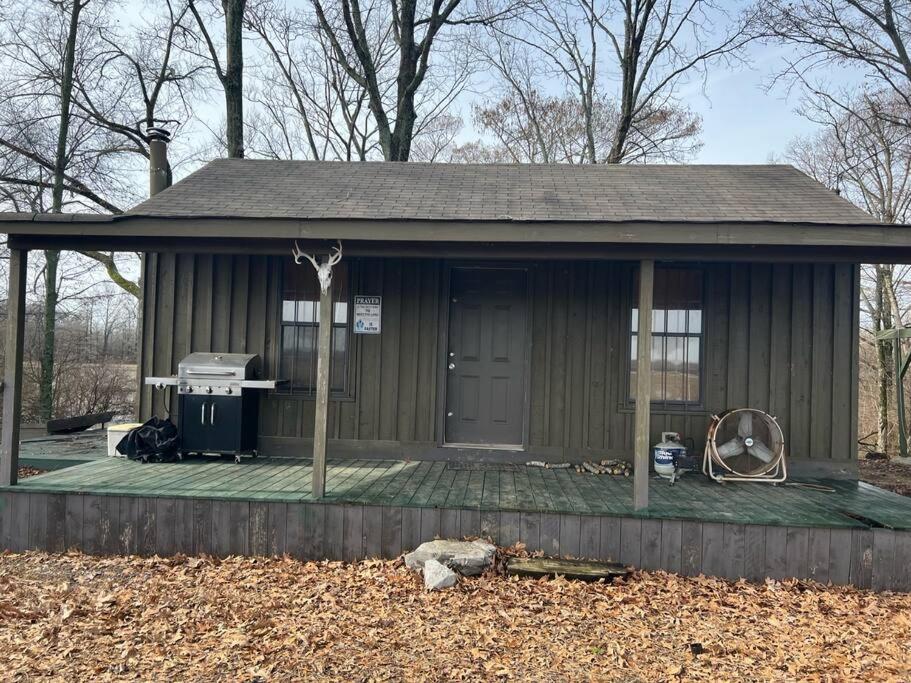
x,y
666,405
353,343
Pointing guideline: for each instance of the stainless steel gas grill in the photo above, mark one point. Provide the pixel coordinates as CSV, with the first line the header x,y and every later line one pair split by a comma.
x,y
218,402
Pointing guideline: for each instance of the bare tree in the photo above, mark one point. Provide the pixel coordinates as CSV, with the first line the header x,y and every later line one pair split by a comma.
x,y
52,257
307,104
122,83
867,157
869,35
140,78
533,128
229,69
649,49
65,57
358,34
437,139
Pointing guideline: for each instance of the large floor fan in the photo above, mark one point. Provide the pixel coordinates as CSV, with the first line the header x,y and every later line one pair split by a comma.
x,y
745,444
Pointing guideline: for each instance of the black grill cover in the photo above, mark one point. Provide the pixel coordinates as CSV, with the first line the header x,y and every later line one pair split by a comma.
x,y
155,441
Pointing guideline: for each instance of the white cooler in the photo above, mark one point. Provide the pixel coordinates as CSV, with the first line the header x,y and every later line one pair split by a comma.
x,y
115,433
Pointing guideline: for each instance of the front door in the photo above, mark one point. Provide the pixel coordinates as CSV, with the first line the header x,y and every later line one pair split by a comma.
x,y
486,359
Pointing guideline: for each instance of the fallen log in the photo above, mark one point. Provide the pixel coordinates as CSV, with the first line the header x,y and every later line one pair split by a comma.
x,y
583,570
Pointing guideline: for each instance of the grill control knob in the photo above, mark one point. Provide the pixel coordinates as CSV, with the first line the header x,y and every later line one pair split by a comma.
x,y
208,390
189,390
229,390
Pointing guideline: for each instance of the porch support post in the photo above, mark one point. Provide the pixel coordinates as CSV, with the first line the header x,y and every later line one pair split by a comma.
x,y
643,383
322,393
12,374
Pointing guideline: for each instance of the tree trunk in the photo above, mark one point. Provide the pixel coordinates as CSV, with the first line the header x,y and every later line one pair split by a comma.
x,y
890,300
46,388
52,258
405,115
629,65
400,144
233,81
882,320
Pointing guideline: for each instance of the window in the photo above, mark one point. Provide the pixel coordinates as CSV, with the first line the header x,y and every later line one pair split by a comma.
x,y
300,328
676,336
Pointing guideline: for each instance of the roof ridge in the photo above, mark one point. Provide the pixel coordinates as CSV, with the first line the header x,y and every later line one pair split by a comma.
x,y
503,164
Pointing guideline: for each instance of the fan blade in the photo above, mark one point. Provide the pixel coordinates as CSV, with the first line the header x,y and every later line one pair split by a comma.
x,y
731,448
761,451
745,426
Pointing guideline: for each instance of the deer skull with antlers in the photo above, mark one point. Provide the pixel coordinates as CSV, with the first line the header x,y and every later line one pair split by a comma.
x,y
323,267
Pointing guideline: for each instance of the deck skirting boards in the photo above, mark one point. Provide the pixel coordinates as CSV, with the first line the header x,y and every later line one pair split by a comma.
x,y
110,525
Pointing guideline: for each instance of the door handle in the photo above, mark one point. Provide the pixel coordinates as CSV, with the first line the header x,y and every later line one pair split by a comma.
x,y
202,417
212,414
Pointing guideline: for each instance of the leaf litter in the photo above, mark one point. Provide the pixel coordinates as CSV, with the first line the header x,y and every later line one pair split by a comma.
x,y
76,617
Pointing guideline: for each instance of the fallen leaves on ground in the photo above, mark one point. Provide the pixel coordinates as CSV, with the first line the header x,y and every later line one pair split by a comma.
x,y
892,476
75,617
29,472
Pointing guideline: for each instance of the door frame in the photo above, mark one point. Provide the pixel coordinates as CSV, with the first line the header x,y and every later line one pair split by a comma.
x,y
443,336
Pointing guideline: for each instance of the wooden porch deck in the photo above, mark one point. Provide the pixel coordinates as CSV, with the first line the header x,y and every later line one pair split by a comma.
x,y
504,487
858,534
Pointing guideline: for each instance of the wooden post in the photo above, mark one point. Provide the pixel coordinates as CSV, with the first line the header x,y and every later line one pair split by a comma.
x,y
322,393
12,374
643,384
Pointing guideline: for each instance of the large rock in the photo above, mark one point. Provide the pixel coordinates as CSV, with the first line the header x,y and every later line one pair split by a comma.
x,y
437,576
466,557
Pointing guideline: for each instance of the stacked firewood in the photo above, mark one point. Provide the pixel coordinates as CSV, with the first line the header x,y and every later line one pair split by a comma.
x,y
616,468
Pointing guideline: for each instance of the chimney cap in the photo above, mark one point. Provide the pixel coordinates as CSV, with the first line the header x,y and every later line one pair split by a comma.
x,y
158,133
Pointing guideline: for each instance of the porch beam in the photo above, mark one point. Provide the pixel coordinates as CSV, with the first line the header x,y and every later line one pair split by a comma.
x,y
320,427
12,373
643,383
797,253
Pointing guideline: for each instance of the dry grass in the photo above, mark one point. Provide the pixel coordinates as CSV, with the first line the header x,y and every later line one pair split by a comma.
x,y
74,618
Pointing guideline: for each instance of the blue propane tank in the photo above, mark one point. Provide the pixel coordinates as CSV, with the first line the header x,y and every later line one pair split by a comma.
x,y
666,453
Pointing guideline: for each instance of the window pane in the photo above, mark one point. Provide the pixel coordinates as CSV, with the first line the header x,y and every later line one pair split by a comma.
x,y
677,329
674,369
340,313
658,321
339,368
658,375
300,327
692,369
676,320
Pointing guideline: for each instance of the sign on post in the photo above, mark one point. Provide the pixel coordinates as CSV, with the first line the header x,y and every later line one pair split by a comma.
x,y
368,313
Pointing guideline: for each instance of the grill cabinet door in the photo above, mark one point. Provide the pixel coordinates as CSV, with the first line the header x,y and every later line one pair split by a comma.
x,y
194,423
224,416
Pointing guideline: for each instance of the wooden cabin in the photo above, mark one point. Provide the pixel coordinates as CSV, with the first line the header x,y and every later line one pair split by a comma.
x,y
490,314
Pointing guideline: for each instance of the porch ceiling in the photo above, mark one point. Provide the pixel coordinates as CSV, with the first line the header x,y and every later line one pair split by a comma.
x,y
485,488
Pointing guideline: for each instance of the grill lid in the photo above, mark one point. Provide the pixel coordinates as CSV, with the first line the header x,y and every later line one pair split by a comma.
x,y
224,366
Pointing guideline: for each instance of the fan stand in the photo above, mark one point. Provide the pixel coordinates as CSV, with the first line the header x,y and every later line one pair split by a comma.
x,y
777,475
715,468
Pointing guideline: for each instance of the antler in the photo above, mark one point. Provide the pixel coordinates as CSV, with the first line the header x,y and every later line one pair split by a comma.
x,y
337,256
299,254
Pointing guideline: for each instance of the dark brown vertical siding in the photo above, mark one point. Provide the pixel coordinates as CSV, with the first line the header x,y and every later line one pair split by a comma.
x,y
779,337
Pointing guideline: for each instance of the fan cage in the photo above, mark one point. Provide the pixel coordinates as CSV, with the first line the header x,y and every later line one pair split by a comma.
x,y
723,469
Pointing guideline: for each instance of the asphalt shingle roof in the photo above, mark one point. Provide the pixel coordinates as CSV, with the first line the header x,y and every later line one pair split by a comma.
x,y
248,188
